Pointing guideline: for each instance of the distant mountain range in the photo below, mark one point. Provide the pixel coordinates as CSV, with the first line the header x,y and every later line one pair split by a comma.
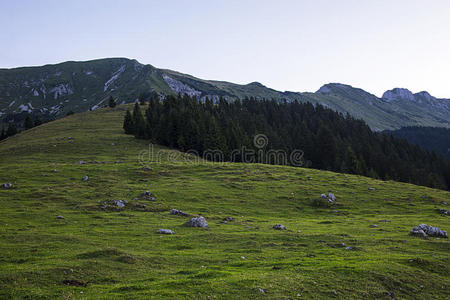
x,y
80,86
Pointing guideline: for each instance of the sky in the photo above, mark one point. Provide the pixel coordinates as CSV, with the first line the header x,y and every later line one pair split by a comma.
x,y
297,45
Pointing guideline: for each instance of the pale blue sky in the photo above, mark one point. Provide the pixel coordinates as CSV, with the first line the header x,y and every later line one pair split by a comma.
x,y
287,45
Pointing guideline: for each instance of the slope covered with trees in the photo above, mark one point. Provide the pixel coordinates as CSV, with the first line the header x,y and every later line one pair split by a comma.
x,y
429,138
327,140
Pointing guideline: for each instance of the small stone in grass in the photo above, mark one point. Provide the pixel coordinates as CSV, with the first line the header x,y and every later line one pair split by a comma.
x,y
165,231
279,227
7,185
178,212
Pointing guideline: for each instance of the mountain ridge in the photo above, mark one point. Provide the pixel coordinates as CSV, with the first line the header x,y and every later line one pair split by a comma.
x,y
55,89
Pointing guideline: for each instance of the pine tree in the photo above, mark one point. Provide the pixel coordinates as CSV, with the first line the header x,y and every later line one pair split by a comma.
x,y
325,149
12,130
37,122
142,99
28,124
138,121
128,124
352,164
112,102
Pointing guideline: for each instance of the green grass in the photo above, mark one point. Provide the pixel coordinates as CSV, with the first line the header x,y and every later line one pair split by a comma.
x,y
110,253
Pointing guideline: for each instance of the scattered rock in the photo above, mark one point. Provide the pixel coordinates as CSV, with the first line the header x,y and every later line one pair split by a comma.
x,y
54,171
348,248
85,178
178,212
228,219
120,203
117,162
424,230
444,203
59,217
165,231
385,221
7,185
197,222
147,195
70,138
261,291
444,211
371,189
335,211
279,227
82,162
374,226
331,197
113,144
73,282
146,169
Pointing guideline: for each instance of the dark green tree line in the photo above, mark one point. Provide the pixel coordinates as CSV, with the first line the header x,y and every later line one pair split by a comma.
x,y
329,140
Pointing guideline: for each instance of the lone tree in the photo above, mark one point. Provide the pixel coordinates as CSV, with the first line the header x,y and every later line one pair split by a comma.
x,y
112,102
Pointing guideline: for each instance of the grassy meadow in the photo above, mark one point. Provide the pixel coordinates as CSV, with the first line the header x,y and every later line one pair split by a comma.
x,y
100,251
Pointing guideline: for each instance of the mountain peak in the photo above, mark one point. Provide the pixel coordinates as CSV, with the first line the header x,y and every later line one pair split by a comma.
x,y
397,94
425,95
329,87
256,83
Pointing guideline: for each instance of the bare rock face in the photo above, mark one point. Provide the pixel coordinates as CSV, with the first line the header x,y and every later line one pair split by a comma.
x,y
197,222
424,230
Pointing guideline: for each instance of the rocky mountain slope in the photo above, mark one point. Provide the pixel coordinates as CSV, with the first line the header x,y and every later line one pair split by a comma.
x,y
81,86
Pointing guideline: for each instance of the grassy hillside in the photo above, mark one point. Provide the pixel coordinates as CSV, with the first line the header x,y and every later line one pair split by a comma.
x,y
101,251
